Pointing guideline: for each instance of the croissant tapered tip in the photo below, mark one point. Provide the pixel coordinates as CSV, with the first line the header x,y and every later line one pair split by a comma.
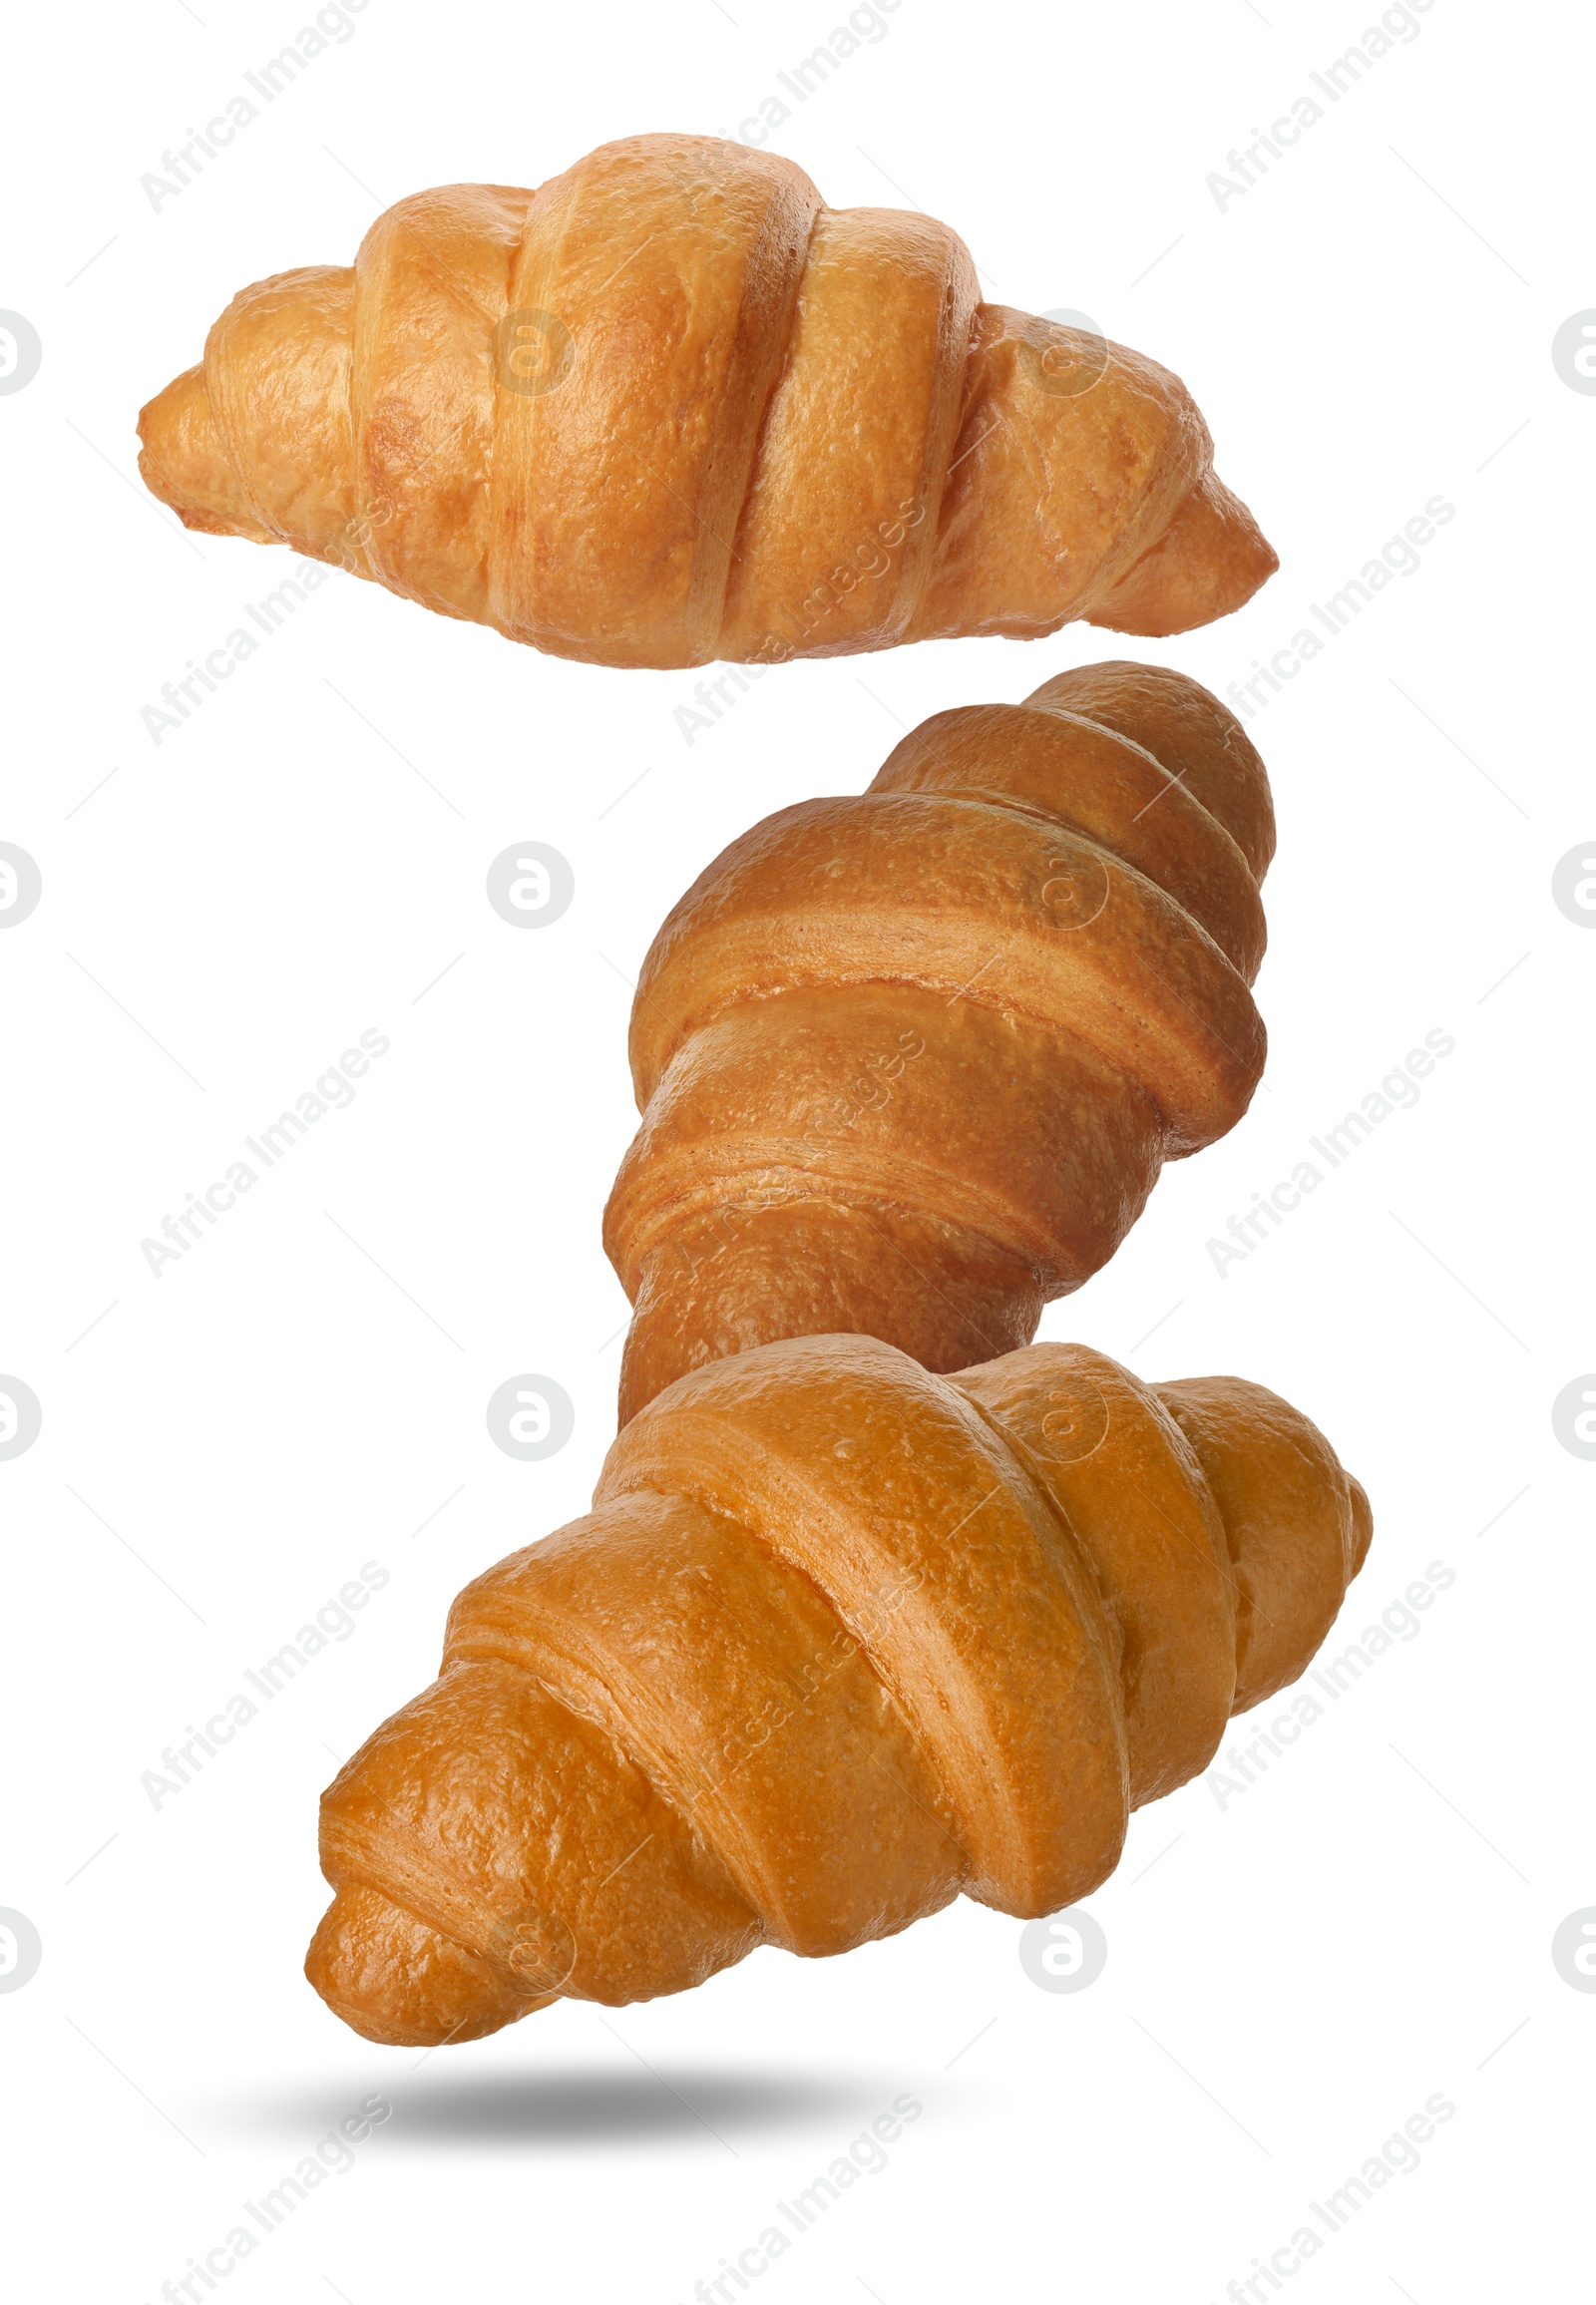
x,y
1363,1522
1208,563
396,1981
183,465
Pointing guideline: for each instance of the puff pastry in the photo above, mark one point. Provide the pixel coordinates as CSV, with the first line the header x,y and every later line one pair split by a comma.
x,y
670,407
839,1640
908,1063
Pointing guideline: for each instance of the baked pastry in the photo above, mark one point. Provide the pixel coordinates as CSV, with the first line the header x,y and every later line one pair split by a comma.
x,y
670,408
839,1640
908,1063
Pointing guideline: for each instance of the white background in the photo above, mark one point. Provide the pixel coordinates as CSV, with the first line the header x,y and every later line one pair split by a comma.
x,y
1367,327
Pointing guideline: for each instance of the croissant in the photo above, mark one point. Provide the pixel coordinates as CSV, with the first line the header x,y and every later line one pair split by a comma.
x,y
909,1063
839,1640
668,407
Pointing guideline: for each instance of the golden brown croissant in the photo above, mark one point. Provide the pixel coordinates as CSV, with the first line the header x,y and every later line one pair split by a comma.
x,y
670,407
839,1640
909,1063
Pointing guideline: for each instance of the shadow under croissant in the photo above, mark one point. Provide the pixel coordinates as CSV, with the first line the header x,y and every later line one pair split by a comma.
x,y
574,2105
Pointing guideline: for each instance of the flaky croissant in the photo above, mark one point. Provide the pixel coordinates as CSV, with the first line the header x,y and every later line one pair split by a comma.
x,y
909,1063
670,408
839,1640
